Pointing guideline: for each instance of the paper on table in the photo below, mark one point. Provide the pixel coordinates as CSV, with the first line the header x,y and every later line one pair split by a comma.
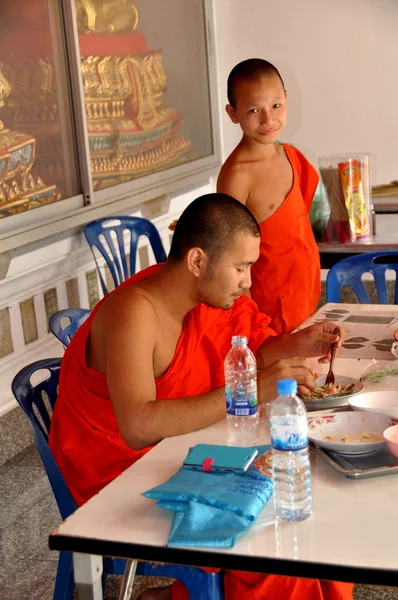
x,y
367,334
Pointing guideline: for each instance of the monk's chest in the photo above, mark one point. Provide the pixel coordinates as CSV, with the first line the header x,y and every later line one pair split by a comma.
x,y
269,187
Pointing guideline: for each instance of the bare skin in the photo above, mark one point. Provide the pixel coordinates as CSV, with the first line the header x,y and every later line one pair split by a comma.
x,y
258,172
134,336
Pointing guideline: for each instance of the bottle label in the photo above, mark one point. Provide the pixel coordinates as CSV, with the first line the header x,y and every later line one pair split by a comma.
x,y
241,404
289,435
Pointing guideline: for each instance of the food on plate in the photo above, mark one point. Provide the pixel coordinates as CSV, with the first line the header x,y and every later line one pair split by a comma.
x,y
354,438
331,389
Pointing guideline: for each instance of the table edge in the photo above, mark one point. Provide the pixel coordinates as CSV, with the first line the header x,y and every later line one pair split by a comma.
x,y
211,558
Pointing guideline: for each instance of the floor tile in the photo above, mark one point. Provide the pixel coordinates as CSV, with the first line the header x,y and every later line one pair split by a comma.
x,y
26,537
15,434
27,580
370,592
21,487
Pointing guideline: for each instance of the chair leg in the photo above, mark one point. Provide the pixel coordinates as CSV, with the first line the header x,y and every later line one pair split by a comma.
x,y
128,580
64,583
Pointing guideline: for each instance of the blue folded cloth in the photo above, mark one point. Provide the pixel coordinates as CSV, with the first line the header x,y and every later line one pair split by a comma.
x,y
214,509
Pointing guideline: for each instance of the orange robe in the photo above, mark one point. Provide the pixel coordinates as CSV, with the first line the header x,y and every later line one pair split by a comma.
x,y
286,279
84,435
241,585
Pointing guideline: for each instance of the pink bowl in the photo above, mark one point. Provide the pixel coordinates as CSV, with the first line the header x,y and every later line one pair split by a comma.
x,y
391,437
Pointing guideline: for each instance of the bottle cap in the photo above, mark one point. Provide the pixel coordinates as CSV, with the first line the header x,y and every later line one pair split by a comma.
x,y
286,386
239,340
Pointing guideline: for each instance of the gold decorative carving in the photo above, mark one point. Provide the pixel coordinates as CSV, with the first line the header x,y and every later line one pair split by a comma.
x,y
19,189
106,16
131,133
5,88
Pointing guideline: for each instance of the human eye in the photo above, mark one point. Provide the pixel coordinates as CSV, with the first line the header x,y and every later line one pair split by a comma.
x,y
240,270
277,105
253,111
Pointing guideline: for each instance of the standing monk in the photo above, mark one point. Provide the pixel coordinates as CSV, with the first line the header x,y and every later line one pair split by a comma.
x,y
148,364
277,184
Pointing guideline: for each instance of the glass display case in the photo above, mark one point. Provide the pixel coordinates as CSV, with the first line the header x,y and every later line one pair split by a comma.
x,y
103,104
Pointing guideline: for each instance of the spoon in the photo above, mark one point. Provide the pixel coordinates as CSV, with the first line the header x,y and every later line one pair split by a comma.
x,y
330,375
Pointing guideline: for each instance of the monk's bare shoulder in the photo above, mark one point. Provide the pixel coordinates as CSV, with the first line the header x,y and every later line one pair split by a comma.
x,y
127,307
234,177
126,317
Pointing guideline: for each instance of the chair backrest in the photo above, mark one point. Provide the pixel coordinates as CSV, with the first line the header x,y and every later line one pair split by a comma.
x,y
75,316
38,401
349,272
108,236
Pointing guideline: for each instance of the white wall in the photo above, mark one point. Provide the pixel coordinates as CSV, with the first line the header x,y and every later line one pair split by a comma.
x,y
339,60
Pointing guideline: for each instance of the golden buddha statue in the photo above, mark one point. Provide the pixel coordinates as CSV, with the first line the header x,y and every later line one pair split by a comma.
x,y
106,16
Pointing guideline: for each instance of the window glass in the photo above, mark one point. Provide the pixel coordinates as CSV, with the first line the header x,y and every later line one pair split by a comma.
x,y
37,164
145,80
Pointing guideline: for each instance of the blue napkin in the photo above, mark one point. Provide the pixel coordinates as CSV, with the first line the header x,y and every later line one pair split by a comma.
x,y
214,509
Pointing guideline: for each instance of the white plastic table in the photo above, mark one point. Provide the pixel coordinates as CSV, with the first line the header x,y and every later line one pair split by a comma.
x,y
351,535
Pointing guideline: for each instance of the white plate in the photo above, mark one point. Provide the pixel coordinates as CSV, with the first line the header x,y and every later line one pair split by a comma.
x,y
336,400
378,401
327,431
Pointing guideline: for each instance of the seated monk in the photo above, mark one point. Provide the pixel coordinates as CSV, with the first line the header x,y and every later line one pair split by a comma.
x,y
148,364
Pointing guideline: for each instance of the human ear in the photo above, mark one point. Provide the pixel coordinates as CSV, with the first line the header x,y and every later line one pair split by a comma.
x,y
196,261
231,113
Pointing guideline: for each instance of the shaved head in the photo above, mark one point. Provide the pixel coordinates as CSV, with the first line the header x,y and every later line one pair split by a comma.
x,y
212,222
252,69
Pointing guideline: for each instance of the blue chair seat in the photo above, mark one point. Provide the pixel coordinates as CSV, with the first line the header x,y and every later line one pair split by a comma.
x,y
108,236
349,271
38,401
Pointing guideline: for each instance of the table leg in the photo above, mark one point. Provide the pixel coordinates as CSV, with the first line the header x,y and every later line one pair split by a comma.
x,y
87,570
128,580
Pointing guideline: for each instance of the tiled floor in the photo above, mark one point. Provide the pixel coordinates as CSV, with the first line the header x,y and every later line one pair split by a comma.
x,y
27,514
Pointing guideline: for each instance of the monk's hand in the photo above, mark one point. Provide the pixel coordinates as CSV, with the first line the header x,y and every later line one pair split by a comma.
x,y
287,368
317,340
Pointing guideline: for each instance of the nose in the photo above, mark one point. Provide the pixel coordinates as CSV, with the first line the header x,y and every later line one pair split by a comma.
x,y
265,117
246,281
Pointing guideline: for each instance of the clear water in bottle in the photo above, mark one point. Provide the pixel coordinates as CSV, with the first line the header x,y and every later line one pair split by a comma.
x,y
290,454
241,394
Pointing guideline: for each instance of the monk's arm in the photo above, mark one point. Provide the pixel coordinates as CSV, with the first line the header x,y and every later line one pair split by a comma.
x,y
315,340
131,335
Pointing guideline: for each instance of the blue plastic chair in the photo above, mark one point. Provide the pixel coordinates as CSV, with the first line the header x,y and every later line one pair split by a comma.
x,y
350,270
200,584
99,235
76,317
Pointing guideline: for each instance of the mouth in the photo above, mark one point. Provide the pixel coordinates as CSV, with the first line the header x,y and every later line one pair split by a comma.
x,y
269,132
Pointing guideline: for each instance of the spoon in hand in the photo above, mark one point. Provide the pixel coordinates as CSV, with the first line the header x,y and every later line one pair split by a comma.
x,y
330,375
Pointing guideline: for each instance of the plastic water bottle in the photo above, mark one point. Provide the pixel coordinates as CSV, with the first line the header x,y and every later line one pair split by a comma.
x,y
241,394
290,455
